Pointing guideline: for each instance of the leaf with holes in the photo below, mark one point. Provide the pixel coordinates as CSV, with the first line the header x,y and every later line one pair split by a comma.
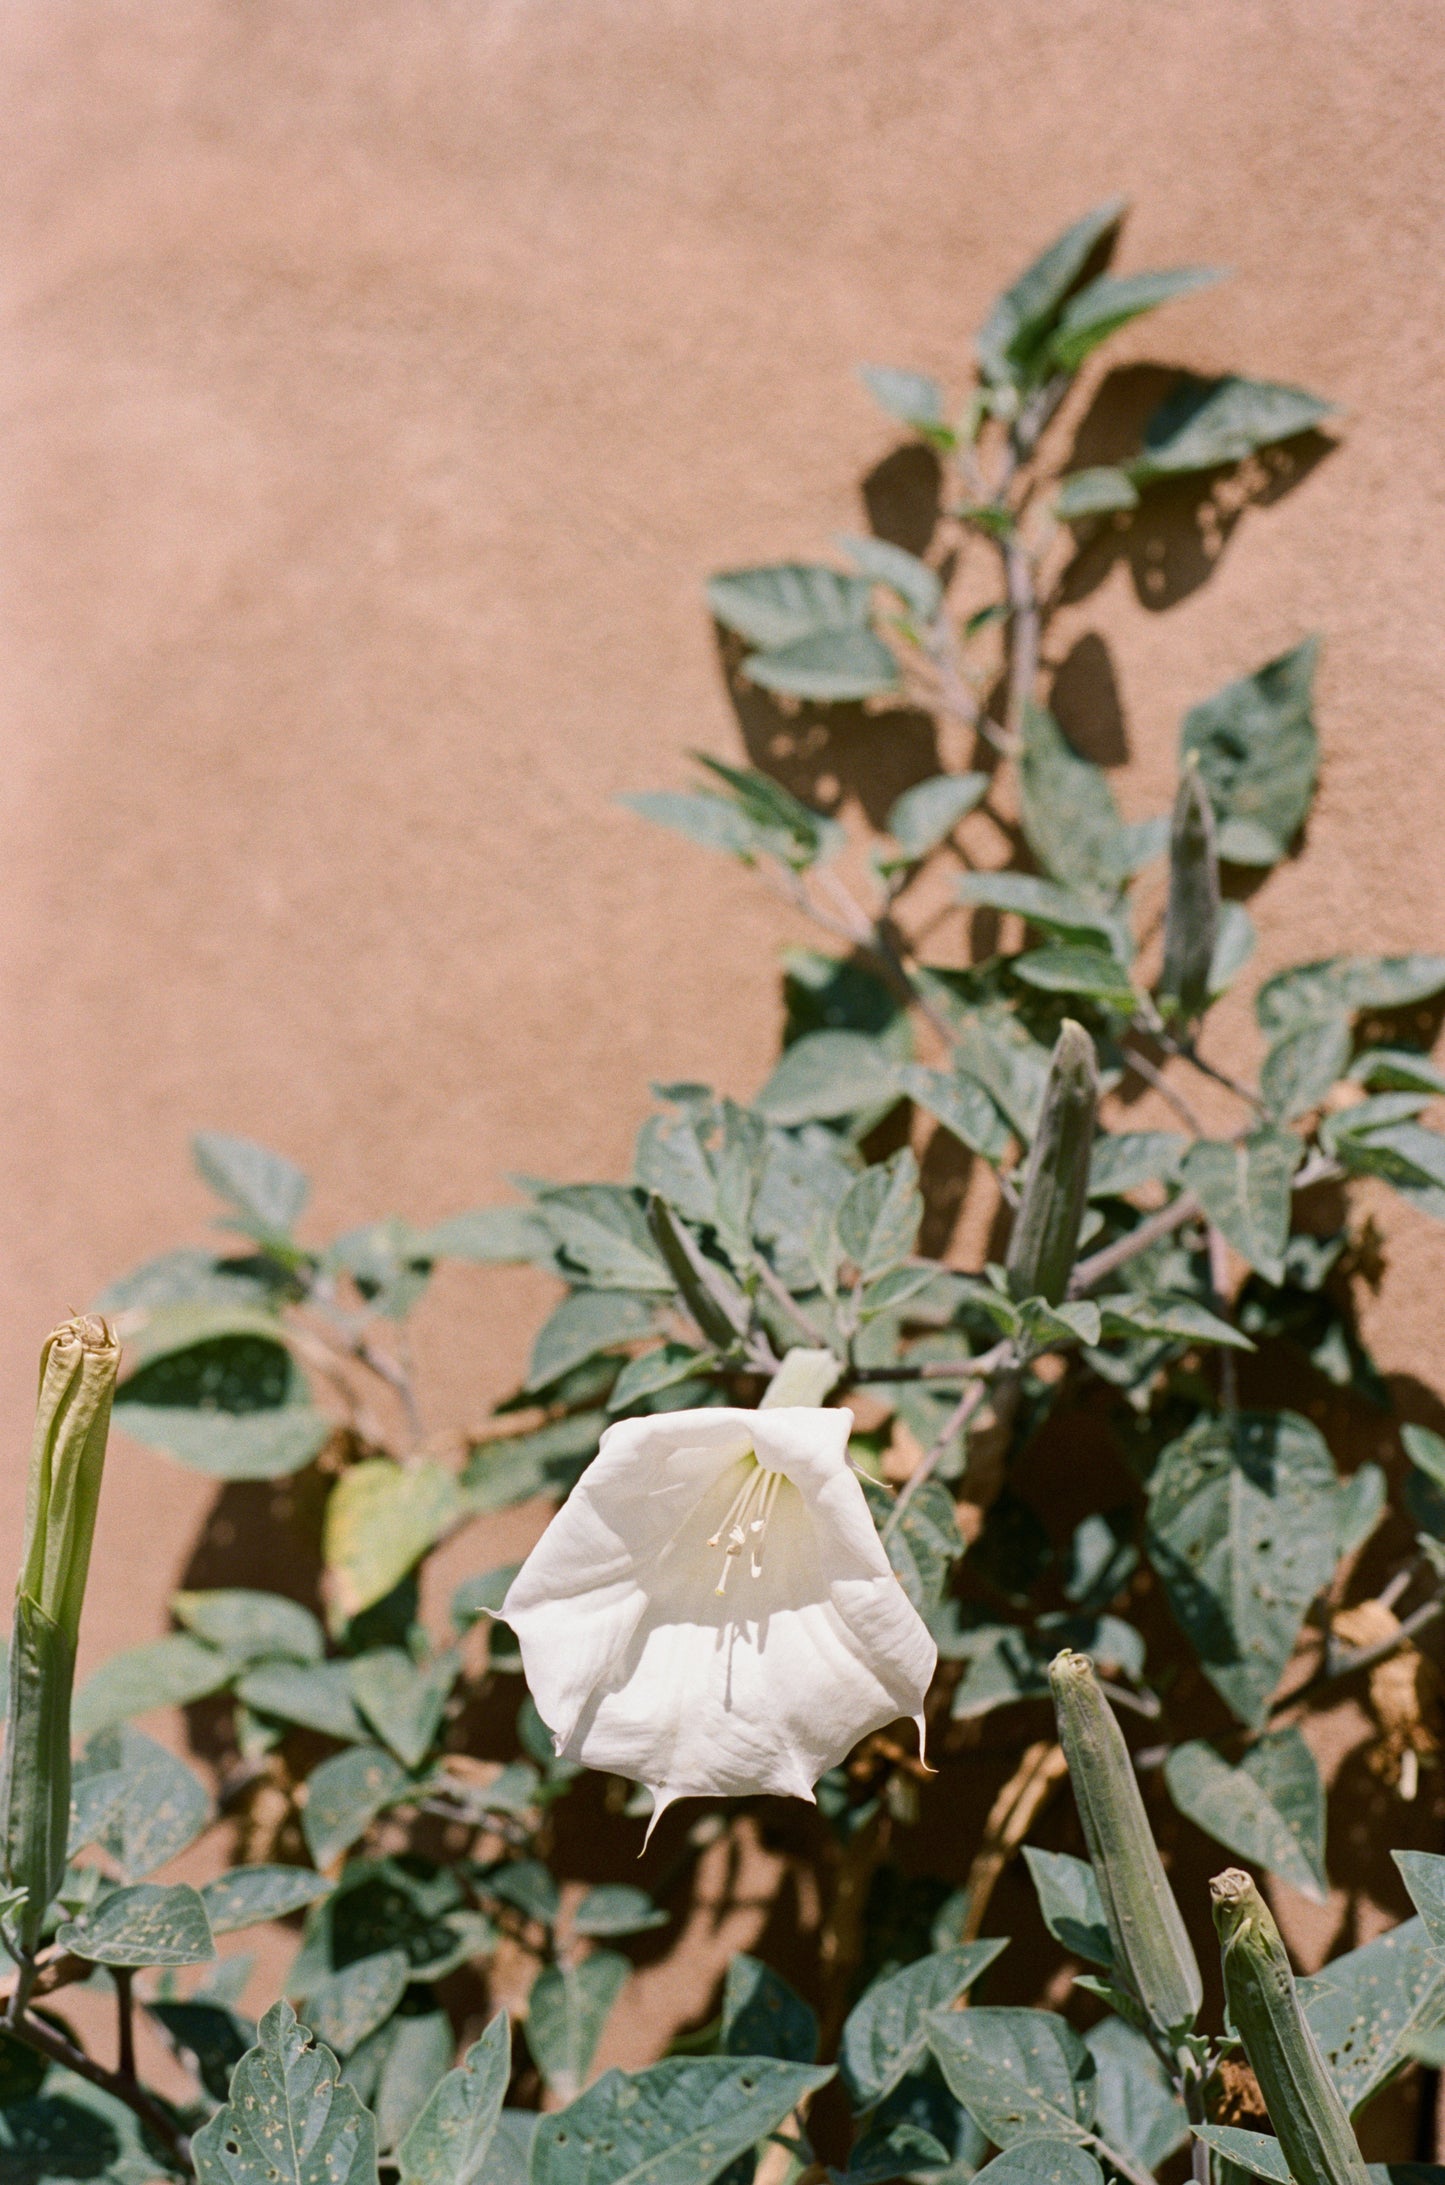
x,y
289,2121
566,2012
675,2123
886,2032
143,1925
1365,2005
1020,2074
1270,1809
1242,1532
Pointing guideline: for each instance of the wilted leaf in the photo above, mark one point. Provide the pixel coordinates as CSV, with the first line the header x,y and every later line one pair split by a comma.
x,y
381,1518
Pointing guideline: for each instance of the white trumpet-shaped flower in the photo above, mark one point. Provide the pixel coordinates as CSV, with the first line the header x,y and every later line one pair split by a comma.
x,y
712,1612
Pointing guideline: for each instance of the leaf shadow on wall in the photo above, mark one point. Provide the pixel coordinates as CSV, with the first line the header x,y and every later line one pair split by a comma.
x,y
1174,540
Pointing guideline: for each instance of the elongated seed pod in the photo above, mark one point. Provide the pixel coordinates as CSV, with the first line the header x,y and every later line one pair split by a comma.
x,y
1191,927
1151,1944
1304,2107
1046,1227
72,1420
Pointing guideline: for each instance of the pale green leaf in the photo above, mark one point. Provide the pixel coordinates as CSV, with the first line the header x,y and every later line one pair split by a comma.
x,y
1258,751
1020,2074
343,1797
1096,312
1100,491
403,1701
886,2032
1068,811
1244,1187
345,2006
1139,2111
926,815
831,666
1204,423
1270,1809
381,1518
251,1626
317,1695
1012,343
909,396
169,1672
1120,1163
566,2012
145,1925
450,2142
266,1189
1365,2005
601,1233
675,2123
778,604
828,1074
616,1908
248,1895
289,2120
1070,1904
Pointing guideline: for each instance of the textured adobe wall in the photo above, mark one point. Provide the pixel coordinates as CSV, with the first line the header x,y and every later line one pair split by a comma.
x,y
380,382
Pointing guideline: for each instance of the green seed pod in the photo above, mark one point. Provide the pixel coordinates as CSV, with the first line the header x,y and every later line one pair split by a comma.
x,y
702,1290
1304,2107
1192,925
1151,1944
1046,1227
77,1380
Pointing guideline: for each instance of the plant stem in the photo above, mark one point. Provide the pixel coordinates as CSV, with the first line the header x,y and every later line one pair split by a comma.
x,y
779,1291
125,2021
1143,1067
955,1423
1219,1285
1093,1270
123,2086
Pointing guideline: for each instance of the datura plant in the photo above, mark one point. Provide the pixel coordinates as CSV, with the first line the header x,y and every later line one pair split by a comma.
x,y
977,1410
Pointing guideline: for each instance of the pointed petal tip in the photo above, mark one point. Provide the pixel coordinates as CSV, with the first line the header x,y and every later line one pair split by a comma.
x,y
921,1723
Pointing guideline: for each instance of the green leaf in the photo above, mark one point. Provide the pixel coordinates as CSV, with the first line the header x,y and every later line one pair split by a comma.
x,y
264,1444
1364,2005
1397,1069
1044,903
1099,310
402,1700
380,1520
210,2038
1242,1533
676,2123
995,1047
492,1236
961,1105
886,2032
71,2131
763,2016
1139,2111
1122,1162
143,1925
1258,752
317,1695
1300,1068
168,1672
1101,491
783,602
657,1369
1256,2152
289,2121
1406,1155
1363,1499
1203,423
1020,2074
1183,1319
1233,946
248,1895
218,1390
1270,1809
343,1797
162,1808
419,2047
1087,971
926,815
1041,2162
1069,815
1012,343
452,2139
346,2006
1244,1187
826,1075
1069,1901
1316,992
922,1538
910,397
250,1626
267,1190
877,1223
616,1908
886,2149
903,573
831,666
602,1236
1423,1873
566,2012
584,1325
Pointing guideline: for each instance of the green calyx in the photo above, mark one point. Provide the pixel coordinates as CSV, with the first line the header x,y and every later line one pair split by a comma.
x,y
1151,1944
1045,1237
1304,2107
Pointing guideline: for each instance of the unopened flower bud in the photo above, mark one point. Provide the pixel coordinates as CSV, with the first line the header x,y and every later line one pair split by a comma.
x,y
77,1381
1191,926
1304,2106
1151,1943
1046,1227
